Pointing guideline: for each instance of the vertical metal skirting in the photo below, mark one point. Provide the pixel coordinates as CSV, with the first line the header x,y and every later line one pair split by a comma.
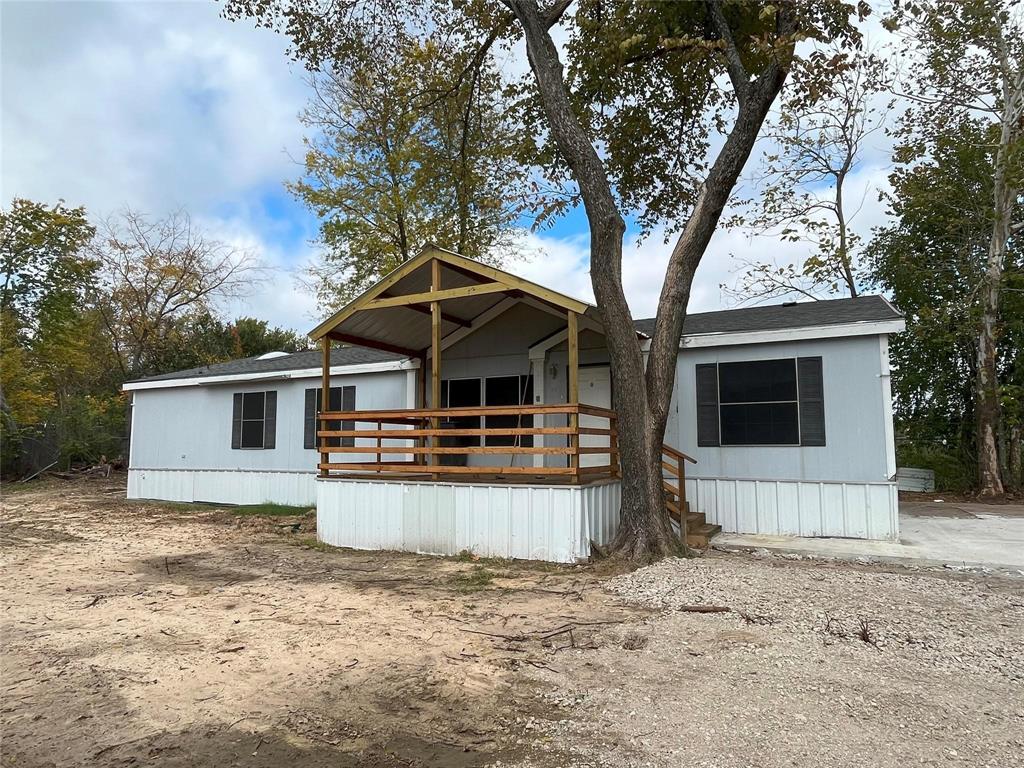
x,y
551,523
798,508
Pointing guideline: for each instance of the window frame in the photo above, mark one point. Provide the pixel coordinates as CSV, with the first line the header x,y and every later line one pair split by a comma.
x,y
269,398
795,402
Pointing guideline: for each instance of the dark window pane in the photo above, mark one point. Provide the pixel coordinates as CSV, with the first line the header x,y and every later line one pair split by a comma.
x,y
252,434
252,405
757,381
463,393
767,424
513,391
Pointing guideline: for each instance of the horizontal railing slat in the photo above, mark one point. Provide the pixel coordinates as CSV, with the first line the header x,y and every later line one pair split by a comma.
x,y
464,450
442,469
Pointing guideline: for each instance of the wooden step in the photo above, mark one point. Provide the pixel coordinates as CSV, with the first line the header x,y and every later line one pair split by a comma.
x,y
700,536
695,521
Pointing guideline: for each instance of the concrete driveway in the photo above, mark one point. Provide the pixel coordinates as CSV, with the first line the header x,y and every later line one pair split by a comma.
x,y
955,534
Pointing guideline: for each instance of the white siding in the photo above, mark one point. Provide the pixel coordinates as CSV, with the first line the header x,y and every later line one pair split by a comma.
x,y
532,522
189,428
857,422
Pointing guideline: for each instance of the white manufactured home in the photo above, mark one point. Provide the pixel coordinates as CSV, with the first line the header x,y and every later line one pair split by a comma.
x,y
470,409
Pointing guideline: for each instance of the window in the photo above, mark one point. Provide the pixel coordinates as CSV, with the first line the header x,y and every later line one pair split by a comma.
x,y
254,420
495,390
514,391
341,399
462,393
761,402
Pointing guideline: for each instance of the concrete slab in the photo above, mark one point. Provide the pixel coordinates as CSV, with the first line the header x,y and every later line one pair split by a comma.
x,y
958,535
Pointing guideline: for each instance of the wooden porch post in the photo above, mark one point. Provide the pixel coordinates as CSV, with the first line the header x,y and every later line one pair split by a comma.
x,y
435,352
325,401
574,394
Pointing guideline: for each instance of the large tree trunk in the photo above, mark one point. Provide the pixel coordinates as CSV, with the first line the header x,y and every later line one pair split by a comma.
x,y
643,397
1004,197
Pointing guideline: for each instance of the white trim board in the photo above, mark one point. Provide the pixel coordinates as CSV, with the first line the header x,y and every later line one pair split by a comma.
x,y
299,373
840,330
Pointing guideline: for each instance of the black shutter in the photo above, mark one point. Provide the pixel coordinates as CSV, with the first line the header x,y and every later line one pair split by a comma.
x,y
309,420
270,420
348,403
236,421
812,401
707,405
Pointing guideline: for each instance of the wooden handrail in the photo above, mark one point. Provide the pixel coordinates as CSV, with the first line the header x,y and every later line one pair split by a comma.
x,y
676,454
478,410
678,469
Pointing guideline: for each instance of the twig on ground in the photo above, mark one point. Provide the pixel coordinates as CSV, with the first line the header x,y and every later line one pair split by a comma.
x,y
866,635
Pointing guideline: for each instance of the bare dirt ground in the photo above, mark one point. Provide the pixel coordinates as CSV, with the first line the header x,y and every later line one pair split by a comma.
x,y
140,633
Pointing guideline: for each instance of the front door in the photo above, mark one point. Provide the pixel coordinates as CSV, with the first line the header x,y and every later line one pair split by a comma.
x,y
595,389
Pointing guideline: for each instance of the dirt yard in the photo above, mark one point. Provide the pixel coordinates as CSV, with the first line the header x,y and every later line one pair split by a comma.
x,y
140,633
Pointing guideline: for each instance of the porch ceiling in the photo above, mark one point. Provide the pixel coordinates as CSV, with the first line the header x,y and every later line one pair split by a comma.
x,y
406,328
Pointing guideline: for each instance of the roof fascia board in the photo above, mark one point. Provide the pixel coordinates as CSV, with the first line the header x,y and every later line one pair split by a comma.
x,y
860,328
298,373
511,280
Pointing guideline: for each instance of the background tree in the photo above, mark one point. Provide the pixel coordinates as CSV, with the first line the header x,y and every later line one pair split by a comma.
x,y
626,124
966,62
156,273
932,261
802,189
399,156
54,365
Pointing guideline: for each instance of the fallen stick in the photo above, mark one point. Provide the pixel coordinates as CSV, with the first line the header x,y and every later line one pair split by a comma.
x,y
704,609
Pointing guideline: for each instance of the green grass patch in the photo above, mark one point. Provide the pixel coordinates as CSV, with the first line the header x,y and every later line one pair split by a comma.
x,y
475,579
312,542
269,510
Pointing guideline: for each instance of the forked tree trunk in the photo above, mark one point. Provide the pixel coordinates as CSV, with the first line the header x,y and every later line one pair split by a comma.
x,y
643,397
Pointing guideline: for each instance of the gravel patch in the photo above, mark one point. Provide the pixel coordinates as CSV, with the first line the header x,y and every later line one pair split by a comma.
x,y
814,664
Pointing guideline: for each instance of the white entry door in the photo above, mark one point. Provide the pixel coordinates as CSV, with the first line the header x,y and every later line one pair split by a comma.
x,y
595,389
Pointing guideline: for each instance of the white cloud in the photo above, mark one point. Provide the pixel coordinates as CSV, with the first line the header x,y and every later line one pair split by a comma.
x,y
165,105
158,106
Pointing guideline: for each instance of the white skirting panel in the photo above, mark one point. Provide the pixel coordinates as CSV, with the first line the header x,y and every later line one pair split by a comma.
x,y
223,486
532,522
798,508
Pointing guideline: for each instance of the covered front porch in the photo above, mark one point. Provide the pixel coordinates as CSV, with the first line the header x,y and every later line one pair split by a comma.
x,y
507,445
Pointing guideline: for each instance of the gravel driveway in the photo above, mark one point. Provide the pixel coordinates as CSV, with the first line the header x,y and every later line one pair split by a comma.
x,y
815,665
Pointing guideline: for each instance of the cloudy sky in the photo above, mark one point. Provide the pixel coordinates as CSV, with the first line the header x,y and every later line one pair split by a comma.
x,y
164,105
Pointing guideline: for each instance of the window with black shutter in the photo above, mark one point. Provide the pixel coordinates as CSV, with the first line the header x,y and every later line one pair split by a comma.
x,y
254,420
341,399
761,402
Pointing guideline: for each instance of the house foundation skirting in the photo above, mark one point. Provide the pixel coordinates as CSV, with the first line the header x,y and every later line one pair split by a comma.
x,y
223,486
798,507
532,522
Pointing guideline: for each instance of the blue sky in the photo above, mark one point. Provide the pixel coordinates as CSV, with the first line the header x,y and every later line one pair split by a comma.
x,y
164,105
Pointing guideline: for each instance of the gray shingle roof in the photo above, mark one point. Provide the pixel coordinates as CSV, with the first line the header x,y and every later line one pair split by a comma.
x,y
780,316
292,362
804,314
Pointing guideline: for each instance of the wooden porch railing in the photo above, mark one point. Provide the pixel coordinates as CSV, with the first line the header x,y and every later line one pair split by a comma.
x,y
412,432
674,462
